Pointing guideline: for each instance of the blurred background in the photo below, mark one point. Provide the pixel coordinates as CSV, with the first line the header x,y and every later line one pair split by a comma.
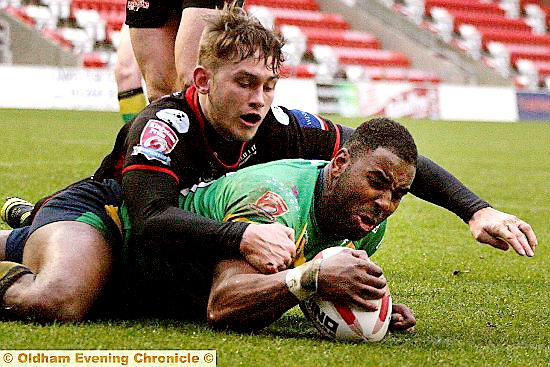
x,y
476,60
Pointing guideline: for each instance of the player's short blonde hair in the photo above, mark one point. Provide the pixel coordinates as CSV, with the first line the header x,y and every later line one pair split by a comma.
x,y
232,36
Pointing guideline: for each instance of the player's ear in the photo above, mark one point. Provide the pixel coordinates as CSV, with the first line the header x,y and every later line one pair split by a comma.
x,y
201,79
340,162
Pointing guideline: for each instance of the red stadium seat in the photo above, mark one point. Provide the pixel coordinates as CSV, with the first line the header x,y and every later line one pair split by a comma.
x,y
474,6
112,11
339,37
296,71
286,4
488,20
308,18
529,52
370,57
93,60
543,68
114,20
489,34
56,37
21,15
421,76
400,74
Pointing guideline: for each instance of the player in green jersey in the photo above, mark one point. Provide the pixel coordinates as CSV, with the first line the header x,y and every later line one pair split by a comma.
x,y
281,191
324,202
344,202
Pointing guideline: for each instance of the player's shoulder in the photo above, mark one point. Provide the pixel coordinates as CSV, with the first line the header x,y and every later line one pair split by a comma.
x,y
294,118
169,111
281,172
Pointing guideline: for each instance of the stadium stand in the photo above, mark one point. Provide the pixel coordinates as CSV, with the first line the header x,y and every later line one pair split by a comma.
x,y
505,35
320,44
325,44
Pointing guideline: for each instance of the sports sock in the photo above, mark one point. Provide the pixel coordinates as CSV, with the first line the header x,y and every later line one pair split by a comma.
x,y
16,212
131,102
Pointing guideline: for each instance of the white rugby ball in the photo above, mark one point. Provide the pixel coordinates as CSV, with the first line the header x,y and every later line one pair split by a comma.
x,y
347,322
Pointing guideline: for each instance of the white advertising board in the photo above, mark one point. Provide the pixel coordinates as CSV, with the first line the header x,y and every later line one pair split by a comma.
x,y
477,103
398,99
34,87
297,93
57,88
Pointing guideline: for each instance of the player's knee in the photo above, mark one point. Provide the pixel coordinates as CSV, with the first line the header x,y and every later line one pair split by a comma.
x,y
59,303
127,74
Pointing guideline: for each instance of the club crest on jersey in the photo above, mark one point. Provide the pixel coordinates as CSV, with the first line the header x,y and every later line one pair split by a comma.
x,y
159,136
272,203
156,141
178,119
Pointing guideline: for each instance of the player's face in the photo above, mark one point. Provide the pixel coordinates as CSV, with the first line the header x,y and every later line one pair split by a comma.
x,y
239,98
366,191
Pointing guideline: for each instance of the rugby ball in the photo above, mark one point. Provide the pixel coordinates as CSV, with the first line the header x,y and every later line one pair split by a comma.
x,y
347,322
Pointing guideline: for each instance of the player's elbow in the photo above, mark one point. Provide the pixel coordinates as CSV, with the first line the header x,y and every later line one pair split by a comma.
x,y
219,318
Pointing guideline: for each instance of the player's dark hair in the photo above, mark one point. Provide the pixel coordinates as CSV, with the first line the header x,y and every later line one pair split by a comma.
x,y
232,36
386,133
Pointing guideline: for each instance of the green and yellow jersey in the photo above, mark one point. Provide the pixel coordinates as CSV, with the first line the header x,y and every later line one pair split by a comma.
x,y
281,191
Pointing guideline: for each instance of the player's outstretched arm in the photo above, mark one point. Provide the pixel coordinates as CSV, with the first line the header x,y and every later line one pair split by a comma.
x,y
244,300
502,231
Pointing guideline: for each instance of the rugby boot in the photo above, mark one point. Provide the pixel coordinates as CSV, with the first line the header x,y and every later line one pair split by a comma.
x,y
16,212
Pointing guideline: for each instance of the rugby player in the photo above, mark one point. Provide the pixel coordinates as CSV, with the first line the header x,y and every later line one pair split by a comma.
x,y
327,203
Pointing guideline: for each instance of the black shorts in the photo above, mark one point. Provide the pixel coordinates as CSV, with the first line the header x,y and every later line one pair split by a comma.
x,y
155,13
92,202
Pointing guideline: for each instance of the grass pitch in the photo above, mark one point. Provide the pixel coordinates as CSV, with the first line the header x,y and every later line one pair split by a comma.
x,y
475,306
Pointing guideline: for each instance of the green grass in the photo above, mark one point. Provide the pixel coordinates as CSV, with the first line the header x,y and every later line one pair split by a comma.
x,y
475,306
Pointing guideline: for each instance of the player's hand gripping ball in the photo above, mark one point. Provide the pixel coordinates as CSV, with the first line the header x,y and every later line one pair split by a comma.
x,y
347,322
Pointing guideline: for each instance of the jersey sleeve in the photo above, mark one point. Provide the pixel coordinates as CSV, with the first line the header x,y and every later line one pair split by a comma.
x,y
158,221
302,134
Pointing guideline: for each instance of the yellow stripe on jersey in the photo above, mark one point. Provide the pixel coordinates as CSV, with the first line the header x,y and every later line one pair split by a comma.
x,y
112,212
299,258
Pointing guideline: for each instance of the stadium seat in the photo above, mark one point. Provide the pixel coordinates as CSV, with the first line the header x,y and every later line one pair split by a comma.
x,y
488,20
308,18
528,52
421,76
489,34
370,57
543,67
93,60
286,4
81,40
20,14
339,37
474,6
112,11
42,15
56,37
297,71
400,74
